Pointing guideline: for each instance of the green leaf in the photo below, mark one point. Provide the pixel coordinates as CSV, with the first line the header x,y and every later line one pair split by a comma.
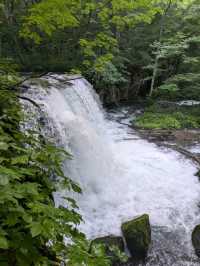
x,y
12,218
4,171
3,146
36,229
76,188
27,218
4,180
3,159
20,160
3,243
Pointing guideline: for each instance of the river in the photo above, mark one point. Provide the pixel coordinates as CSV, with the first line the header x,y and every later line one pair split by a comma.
x,y
122,175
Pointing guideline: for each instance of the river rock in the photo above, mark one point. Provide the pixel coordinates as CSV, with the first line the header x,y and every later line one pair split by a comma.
x,y
109,242
196,239
198,174
137,234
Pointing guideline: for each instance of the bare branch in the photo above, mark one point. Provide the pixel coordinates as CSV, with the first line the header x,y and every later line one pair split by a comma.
x,y
29,100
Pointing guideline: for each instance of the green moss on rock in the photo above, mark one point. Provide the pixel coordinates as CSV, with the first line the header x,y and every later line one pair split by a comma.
x,y
137,234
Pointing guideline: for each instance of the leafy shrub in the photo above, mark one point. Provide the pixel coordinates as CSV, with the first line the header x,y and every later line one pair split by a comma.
x,y
160,119
187,121
157,121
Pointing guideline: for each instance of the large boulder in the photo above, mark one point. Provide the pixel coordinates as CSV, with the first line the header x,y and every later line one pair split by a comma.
x,y
109,242
196,239
137,234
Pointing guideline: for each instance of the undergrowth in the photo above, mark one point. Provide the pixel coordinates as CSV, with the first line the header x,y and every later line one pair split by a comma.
x,y
169,117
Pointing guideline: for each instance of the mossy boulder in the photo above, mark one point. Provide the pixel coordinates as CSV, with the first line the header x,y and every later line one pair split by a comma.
x,y
137,234
196,239
110,242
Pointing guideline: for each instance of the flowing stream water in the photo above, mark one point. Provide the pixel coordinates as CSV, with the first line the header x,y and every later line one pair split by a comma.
x,y
121,175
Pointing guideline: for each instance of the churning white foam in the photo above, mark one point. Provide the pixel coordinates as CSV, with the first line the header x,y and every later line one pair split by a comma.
x,y
121,176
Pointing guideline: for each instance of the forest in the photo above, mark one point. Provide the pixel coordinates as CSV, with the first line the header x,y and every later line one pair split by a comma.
x,y
142,58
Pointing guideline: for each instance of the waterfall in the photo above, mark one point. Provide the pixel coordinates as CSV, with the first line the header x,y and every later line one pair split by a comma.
x,y
121,177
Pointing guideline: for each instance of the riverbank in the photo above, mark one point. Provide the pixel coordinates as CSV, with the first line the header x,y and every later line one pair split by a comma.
x,y
169,115
171,125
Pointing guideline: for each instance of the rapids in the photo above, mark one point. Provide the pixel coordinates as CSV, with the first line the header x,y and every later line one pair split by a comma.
x,y
121,174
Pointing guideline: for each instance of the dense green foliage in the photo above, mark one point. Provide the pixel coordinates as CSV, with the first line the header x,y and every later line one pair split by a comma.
x,y
164,52
124,47
177,54
176,120
172,117
72,35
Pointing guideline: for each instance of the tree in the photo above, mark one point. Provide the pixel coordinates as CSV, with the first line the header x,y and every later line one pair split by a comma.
x,y
94,24
179,55
162,25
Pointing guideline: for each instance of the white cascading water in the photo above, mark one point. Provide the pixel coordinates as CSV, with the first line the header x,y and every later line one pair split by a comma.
x,y
121,175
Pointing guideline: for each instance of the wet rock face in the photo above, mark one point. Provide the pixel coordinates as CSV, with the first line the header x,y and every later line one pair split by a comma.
x,y
196,240
137,234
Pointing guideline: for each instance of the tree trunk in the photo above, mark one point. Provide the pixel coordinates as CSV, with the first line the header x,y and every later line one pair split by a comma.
x,y
156,63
